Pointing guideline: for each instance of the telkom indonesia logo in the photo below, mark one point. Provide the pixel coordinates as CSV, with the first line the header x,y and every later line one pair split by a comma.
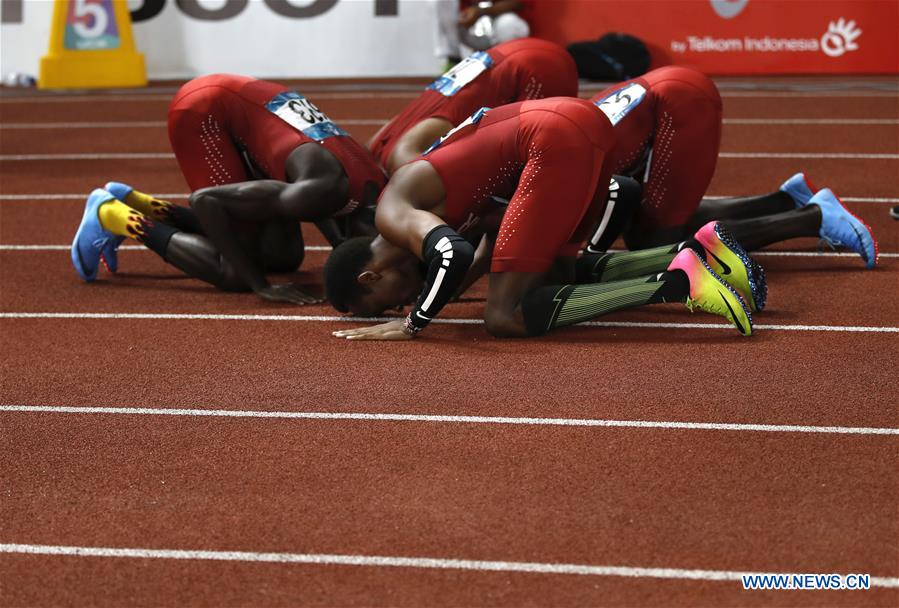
x,y
840,38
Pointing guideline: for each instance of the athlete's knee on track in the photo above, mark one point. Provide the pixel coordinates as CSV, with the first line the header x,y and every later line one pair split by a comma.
x,y
503,323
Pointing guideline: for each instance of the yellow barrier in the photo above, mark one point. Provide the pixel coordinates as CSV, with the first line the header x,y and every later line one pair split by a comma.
x,y
91,46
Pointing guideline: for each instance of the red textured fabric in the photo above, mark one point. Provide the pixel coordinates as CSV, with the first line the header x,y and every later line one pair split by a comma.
x,y
522,69
679,119
212,117
544,156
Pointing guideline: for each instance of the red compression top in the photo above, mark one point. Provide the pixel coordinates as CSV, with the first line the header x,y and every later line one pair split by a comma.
x,y
267,122
517,70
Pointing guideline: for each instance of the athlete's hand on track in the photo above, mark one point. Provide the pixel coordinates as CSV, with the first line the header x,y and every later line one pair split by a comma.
x,y
392,330
287,293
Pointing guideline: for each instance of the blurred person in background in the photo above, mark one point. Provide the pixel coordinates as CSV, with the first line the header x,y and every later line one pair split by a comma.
x,y
468,25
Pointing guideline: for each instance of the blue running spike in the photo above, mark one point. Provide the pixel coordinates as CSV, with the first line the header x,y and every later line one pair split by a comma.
x,y
118,190
840,228
91,238
799,188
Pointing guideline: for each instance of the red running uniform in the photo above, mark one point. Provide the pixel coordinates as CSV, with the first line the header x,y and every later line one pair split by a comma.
x,y
517,70
217,121
668,130
546,157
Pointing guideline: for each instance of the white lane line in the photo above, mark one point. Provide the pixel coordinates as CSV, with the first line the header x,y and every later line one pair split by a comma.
x,y
341,319
813,155
125,248
141,125
814,254
811,121
35,99
182,195
822,93
385,561
845,199
82,197
457,419
166,155
99,156
800,254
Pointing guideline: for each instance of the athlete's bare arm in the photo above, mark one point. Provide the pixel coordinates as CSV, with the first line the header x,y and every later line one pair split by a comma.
x,y
415,141
260,200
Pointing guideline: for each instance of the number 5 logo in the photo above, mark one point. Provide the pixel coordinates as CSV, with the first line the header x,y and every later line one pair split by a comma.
x,y
94,13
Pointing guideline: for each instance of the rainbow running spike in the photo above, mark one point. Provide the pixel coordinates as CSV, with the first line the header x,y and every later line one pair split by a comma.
x,y
709,293
729,260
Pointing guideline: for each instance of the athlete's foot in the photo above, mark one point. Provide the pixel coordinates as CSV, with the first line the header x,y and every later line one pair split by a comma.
x,y
800,189
92,242
840,228
731,262
894,212
709,293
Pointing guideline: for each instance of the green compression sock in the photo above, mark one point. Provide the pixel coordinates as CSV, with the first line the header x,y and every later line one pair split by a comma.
x,y
555,306
603,267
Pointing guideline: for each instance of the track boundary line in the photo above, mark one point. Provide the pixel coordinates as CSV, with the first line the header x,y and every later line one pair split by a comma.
x,y
462,321
800,254
184,195
587,91
125,248
170,156
811,155
389,561
162,97
458,419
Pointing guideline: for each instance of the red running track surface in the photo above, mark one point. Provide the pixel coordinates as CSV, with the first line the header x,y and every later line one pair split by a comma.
x,y
674,498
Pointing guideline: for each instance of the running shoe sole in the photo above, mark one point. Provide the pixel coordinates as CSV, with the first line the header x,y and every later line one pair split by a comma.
x,y
729,260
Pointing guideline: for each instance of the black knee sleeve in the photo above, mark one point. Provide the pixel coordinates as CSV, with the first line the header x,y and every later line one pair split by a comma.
x,y
624,198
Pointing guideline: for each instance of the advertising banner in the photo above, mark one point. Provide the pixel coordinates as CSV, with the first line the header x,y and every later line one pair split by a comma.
x,y
263,38
739,36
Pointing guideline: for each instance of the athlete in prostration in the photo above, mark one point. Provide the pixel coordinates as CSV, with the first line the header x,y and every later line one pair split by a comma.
x,y
546,157
667,125
527,68
259,159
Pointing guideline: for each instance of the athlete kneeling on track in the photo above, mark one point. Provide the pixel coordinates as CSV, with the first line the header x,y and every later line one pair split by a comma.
x,y
225,131
546,157
518,70
667,126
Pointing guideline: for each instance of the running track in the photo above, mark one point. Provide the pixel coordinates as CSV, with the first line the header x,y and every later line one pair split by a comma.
x,y
165,443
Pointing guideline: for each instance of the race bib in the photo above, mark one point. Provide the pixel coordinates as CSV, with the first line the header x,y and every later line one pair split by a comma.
x,y
617,104
462,73
303,115
471,120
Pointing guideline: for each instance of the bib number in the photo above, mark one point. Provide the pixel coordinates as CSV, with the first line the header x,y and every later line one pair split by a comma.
x,y
471,120
462,73
618,104
304,116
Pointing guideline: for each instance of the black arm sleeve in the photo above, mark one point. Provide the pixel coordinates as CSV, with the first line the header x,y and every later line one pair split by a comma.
x,y
448,257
